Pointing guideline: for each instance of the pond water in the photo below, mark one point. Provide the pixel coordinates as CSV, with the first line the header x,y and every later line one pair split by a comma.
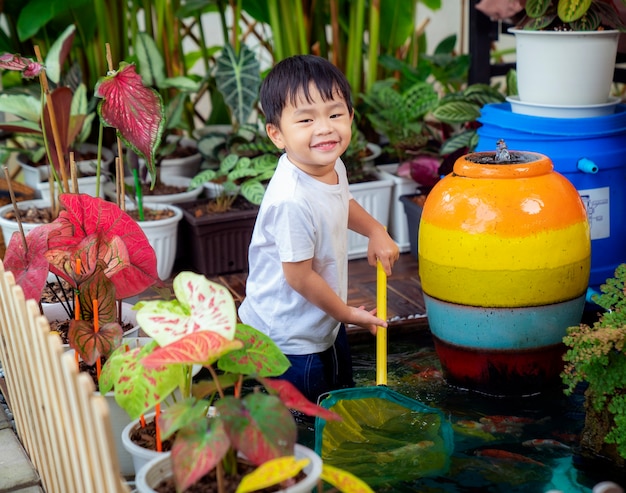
x,y
512,444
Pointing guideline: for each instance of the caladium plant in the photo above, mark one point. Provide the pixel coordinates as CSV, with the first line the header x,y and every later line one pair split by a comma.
x,y
200,327
135,111
101,252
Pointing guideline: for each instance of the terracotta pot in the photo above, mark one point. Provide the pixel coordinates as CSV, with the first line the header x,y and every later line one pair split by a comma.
x,y
504,258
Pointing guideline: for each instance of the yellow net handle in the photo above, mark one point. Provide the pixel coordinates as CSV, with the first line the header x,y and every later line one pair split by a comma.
x,y
381,334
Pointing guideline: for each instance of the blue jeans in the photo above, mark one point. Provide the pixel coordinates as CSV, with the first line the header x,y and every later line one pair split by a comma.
x,y
317,373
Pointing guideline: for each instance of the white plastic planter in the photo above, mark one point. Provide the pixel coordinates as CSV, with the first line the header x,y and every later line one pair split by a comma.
x,y
160,468
9,226
568,68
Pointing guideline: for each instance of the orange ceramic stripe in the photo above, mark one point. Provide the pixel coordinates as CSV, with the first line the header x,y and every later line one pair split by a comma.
x,y
508,208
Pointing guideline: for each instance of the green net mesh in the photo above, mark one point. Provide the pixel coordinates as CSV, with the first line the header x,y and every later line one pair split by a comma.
x,y
384,436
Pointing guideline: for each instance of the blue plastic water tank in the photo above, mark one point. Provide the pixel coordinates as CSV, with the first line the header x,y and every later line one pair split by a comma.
x,y
591,153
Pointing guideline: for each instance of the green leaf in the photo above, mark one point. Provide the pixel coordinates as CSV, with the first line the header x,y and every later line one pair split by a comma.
x,y
58,51
150,61
37,13
571,10
137,388
238,79
260,356
22,106
253,191
259,425
203,177
457,112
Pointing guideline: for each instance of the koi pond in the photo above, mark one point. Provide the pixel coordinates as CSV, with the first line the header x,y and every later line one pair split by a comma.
x,y
501,444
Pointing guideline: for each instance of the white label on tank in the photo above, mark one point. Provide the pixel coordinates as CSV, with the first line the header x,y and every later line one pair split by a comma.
x,y
597,203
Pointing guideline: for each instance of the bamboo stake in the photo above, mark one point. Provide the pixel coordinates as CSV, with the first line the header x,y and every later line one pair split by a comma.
x,y
74,174
17,211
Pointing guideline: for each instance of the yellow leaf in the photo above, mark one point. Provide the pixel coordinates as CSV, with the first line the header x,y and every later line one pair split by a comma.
x,y
272,472
344,481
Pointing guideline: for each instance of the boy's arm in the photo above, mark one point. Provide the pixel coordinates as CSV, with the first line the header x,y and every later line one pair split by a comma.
x,y
310,285
380,245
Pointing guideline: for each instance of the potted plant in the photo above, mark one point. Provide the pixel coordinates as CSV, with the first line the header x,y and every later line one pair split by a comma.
x,y
594,362
105,257
51,123
223,223
426,129
558,41
200,327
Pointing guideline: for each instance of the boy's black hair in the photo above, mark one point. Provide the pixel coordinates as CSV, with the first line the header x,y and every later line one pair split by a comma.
x,y
294,74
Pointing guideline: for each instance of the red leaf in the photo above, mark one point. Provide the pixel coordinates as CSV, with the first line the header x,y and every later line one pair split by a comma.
x,y
85,215
196,452
136,112
293,399
30,268
89,344
62,104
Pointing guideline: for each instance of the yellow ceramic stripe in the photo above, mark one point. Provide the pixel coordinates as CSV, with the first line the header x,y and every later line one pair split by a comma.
x,y
543,249
504,288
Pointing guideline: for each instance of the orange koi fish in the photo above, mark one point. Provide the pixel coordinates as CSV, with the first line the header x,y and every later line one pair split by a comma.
x,y
506,455
546,444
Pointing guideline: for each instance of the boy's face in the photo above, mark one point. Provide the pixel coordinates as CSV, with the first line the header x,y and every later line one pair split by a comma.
x,y
314,134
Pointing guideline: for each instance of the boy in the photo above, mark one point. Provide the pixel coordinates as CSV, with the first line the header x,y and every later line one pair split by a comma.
x,y
296,289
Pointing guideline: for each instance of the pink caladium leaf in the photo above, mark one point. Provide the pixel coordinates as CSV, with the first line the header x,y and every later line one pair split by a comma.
x,y
196,452
29,267
84,215
93,248
28,67
203,348
97,287
89,340
259,356
135,111
259,426
89,344
200,305
137,388
293,399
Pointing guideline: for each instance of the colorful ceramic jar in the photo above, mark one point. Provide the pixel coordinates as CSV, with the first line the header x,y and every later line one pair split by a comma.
x,y
504,255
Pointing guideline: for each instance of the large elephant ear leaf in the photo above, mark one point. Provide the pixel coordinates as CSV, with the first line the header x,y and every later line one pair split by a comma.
x,y
135,111
84,215
238,79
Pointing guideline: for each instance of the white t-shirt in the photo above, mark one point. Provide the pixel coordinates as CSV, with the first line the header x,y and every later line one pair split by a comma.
x,y
300,218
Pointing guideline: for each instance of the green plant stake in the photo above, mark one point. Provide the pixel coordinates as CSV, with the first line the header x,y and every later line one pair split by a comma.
x,y
138,194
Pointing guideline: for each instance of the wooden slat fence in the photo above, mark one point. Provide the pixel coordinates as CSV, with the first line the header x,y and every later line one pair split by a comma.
x,y
62,423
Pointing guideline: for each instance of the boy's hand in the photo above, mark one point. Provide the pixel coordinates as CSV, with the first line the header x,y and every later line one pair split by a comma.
x,y
382,247
366,319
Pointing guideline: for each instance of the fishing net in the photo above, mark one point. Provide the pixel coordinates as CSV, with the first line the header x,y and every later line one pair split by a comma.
x,y
384,437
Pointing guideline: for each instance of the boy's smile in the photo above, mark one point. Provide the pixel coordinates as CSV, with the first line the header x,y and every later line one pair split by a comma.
x,y
314,133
